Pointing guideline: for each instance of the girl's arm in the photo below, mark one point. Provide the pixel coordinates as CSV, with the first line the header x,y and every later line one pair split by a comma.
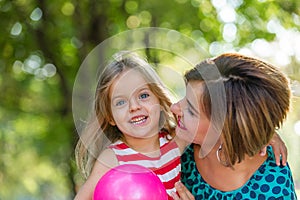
x,y
105,162
279,149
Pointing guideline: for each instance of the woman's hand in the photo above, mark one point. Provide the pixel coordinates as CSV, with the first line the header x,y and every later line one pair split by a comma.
x,y
279,149
183,192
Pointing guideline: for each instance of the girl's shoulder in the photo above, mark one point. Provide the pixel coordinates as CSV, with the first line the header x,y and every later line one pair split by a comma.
x,y
108,157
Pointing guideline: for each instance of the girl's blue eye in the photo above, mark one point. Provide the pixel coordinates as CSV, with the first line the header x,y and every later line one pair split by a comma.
x,y
119,103
144,96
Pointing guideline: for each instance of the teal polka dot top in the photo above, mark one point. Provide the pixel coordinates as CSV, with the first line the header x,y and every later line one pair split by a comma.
x,y
268,182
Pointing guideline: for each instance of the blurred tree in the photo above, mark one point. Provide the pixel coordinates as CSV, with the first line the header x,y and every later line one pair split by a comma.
x,y
43,44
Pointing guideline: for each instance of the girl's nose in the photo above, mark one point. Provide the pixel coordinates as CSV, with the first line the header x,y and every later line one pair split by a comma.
x,y
134,105
176,109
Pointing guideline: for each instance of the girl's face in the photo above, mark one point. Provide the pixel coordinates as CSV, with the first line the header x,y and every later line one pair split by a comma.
x,y
192,124
135,109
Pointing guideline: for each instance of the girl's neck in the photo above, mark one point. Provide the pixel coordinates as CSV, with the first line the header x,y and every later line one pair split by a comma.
x,y
149,146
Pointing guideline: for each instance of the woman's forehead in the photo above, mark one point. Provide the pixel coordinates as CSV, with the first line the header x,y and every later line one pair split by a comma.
x,y
194,91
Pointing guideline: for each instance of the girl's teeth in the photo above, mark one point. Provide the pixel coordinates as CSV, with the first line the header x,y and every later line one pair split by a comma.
x,y
138,120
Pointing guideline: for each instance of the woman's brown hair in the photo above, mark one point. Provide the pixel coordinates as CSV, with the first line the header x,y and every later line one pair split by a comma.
x,y
257,101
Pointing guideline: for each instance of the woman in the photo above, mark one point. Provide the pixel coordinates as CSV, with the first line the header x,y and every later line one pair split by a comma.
x,y
232,107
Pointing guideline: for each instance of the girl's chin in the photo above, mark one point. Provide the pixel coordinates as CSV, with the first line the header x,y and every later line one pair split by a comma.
x,y
141,134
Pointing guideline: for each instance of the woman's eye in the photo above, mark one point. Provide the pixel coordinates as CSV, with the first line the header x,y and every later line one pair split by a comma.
x,y
190,112
144,96
119,103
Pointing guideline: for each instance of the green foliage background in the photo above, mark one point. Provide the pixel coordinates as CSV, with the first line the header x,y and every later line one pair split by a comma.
x,y
37,133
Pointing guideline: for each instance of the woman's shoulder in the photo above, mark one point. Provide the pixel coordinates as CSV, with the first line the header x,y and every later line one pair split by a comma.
x,y
271,162
271,167
269,172
271,179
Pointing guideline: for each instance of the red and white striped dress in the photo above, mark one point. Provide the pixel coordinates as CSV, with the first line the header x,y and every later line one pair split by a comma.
x,y
167,166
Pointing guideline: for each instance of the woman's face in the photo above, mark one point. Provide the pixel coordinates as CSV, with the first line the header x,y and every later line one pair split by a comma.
x,y
192,122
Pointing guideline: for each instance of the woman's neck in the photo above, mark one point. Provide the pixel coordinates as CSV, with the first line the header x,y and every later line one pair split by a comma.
x,y
226,178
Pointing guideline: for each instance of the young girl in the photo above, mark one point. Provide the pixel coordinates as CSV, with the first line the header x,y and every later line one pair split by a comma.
x,y
132,124
133,112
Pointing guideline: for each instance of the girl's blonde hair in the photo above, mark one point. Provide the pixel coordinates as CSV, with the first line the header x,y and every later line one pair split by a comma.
x,y
99,133
257,102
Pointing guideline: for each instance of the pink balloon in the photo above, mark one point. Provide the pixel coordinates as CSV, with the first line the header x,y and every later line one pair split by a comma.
x,y
130,182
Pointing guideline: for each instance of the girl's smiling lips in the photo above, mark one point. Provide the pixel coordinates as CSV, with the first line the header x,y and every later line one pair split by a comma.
x,y
137,120
180,124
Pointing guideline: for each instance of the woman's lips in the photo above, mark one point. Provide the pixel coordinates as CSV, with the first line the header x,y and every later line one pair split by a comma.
x,y
180,124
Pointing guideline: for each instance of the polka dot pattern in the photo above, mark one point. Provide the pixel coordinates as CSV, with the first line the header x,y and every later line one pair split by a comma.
x,y
267,183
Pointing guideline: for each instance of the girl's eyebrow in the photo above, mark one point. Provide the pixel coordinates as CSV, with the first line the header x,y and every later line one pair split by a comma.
x,y
116,98
146,87
193,108
137,90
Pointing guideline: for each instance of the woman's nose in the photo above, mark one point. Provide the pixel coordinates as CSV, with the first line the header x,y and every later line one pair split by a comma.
x,y
176,109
